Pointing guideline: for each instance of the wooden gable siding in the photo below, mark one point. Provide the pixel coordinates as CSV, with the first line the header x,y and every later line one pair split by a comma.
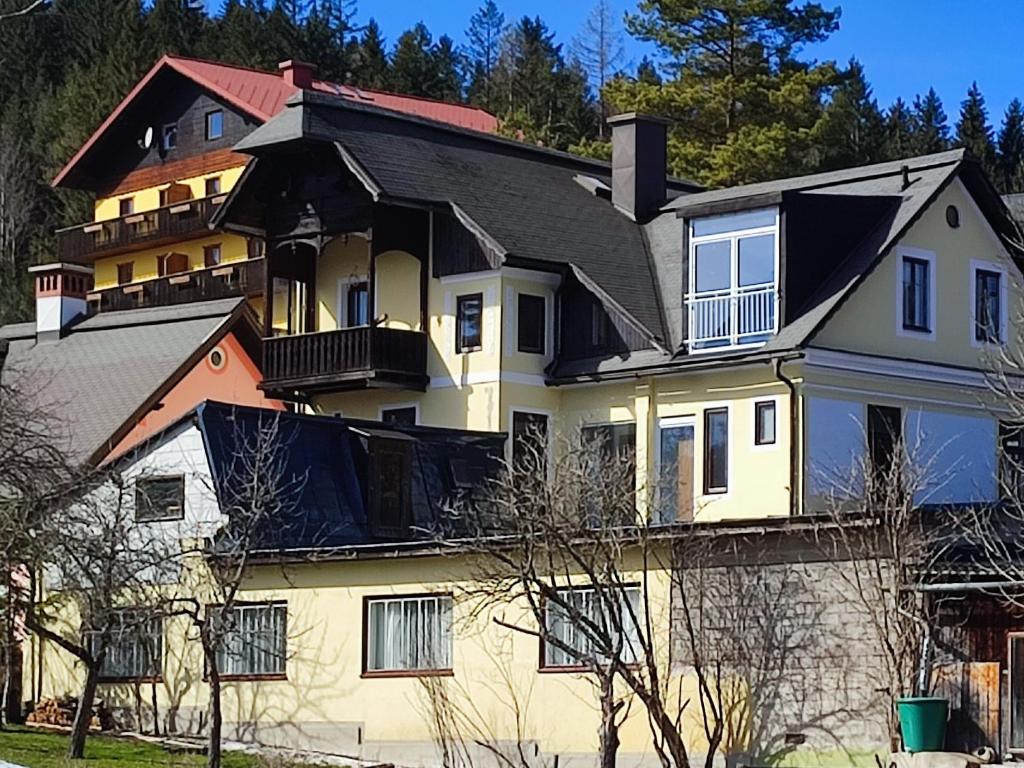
x,y
576,317
116,160
457,250
187,168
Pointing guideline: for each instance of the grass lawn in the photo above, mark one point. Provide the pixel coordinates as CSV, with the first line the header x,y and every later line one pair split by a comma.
x,y
41,749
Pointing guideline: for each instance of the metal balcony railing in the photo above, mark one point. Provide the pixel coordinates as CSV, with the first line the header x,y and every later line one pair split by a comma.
x,y
732,317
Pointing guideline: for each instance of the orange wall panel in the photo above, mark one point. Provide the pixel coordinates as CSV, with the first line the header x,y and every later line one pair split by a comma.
x,y
232,382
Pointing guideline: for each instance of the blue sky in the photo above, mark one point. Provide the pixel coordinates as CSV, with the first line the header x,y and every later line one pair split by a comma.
x,y
905,45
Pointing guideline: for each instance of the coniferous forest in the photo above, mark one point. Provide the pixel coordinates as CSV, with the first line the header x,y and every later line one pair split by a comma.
x,y
745,101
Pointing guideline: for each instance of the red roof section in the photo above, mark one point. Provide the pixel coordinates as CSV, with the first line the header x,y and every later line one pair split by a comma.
x,y
263,94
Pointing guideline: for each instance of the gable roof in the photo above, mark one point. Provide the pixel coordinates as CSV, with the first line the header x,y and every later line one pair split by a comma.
x,y
262,95
526,201
108,370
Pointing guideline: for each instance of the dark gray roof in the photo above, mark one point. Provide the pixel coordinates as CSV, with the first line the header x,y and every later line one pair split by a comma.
x,y
98,376
525,198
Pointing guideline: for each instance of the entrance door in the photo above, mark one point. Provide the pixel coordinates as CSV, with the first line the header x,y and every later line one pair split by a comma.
x,y
675,489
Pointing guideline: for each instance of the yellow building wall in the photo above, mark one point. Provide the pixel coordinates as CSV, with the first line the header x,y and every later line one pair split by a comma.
x,y
234,248
496,678
397,298
868,322
149,198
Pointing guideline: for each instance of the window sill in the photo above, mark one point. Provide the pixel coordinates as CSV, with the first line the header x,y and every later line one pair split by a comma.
x,y
370,674
250,678
467,350
129,680
575,669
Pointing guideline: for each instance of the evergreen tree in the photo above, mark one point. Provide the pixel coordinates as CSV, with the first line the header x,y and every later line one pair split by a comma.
x,y
744,108
930,132
370,67
324,39
413,68
486,28
237,36
1010,159
899,131
647,72
852,130
174,27
447,71
542,99
973,131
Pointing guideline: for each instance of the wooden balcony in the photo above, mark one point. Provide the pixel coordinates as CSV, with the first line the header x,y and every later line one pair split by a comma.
x,y
186,220
239,278
350,358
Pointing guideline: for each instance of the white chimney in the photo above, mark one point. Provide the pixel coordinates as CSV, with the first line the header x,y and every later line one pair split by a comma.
x,y
61,291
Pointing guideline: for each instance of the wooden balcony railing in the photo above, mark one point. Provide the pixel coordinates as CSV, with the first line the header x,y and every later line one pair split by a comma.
x,y
349,358
181,221
239,278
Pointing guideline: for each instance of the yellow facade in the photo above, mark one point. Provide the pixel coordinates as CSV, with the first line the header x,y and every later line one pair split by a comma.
x,y
148,198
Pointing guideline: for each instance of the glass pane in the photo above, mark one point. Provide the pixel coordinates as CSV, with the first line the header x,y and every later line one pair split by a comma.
x,y
713,266
734,222
757,260
765,423
675,474
717,439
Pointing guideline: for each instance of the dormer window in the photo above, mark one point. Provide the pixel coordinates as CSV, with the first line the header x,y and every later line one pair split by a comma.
x,y
732,297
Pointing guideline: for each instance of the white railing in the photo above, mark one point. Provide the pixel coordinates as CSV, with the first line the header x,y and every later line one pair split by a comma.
x,y
732,317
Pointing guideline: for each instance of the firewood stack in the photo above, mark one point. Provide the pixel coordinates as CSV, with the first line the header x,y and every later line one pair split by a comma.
x,y
61,712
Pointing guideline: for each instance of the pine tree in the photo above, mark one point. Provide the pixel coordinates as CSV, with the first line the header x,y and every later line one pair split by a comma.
x,y
486,28
1010,159
852,130
412,63
238,35
973,131
370,68
743,106
324,38
930,131
899,131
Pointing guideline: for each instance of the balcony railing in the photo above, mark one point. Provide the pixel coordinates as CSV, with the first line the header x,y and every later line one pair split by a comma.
x,y
349,358
732,317
181,221
239,278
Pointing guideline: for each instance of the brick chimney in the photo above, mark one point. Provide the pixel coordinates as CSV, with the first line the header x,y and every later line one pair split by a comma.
x,y
297,73
638,163
60,296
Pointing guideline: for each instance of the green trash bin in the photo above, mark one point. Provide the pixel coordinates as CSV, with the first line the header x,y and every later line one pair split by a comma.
x,y
923,723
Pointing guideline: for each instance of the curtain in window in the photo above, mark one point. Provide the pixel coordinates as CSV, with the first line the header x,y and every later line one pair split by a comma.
x,y
411,633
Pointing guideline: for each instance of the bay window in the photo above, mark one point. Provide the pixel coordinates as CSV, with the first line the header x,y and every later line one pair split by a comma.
x,y
733,293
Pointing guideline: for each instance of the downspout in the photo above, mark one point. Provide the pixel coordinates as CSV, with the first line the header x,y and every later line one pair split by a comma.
x,y
795,444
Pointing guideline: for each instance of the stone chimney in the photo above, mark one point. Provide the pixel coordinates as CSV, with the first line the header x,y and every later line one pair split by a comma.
x,y
297,73
61,291
638,163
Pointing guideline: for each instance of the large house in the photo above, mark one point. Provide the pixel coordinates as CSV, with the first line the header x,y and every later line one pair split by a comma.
x,y
746,348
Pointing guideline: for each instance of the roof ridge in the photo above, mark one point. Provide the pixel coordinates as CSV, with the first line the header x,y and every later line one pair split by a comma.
x,y
340,102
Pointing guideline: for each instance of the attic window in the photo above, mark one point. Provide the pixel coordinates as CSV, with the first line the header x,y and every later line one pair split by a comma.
x,y
732,297
169,138
214,125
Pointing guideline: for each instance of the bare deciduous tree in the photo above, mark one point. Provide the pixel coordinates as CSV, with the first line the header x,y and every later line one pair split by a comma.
x,y
257,494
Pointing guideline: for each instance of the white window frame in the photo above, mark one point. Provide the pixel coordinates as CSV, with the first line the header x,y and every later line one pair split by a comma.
x,y
905,252
229,669
732,238
444,664
343,285
1004,310
398,406
630,654
777,400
